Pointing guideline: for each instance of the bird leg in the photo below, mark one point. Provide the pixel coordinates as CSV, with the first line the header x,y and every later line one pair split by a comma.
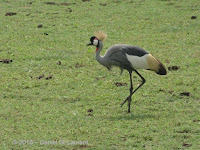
x,y
131,89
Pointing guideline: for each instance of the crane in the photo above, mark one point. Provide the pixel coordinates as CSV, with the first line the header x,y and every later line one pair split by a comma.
x,y
127,57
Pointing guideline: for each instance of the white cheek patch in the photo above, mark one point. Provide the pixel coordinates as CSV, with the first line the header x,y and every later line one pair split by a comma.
x,y
95,42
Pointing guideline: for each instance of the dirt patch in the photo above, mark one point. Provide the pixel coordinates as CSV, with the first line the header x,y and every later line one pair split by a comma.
x,y
59,63
84,147
116,1
66,4
86,0
186,145
69,10
50,3
90,110
39,26
49,77
103,4
6,61
120,84
196,120
10,14
40,77
185,94
193,17
173,68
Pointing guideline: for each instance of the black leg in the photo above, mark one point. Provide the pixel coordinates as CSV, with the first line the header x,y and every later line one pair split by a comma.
x,y
143,81
131,89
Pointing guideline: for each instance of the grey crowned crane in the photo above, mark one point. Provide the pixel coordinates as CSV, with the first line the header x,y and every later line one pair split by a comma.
x,y
127,57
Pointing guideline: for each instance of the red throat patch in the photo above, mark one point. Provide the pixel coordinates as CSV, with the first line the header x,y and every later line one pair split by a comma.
x,y
96,49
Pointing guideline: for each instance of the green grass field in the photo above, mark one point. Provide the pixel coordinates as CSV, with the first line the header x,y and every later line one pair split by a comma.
x,y
43,101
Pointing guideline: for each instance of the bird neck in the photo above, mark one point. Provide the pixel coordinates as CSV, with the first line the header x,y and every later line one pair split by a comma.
x,y
99,58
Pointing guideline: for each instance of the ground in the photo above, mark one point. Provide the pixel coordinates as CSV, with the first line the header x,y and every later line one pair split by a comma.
x,y
54,92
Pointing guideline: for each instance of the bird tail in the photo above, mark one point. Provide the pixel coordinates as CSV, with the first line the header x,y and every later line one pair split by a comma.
x,y
156,65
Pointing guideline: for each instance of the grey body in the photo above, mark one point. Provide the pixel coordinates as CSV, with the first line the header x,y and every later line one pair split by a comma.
x,y
116,56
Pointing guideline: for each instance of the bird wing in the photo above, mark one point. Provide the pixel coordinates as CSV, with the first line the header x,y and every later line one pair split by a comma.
x,y
126,49
133,50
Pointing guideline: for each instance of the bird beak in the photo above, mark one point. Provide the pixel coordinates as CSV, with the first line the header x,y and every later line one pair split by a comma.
x,y
89,44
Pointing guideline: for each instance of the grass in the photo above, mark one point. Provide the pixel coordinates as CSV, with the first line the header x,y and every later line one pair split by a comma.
x,y
57,109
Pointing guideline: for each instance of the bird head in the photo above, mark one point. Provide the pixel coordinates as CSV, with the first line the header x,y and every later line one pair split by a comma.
x,y
94,41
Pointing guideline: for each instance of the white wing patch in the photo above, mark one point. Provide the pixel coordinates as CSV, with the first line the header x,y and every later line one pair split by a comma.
x,y
138,62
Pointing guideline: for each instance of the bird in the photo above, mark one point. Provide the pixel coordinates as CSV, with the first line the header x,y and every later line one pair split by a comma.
x,y
128,57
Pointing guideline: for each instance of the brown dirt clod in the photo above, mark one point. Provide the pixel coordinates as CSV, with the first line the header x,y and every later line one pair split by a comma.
x,y
66,4
7,61
40,77
49,77
50,3
120,84
185,94
69,10
59,63
39,26
173,68
196,120
103,4
193,17
90,110
10,14
187,144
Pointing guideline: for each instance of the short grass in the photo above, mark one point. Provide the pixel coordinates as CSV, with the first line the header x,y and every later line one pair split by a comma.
x,y
33,109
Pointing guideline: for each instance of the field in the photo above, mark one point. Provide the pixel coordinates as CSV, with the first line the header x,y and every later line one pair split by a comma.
x,y
55,93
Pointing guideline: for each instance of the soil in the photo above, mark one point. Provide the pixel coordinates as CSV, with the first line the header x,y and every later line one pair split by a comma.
x,y
7,61
50,3
66,4
90,110
39,26
173,68
185,94
120,84
49,77
103,4
59,63
10,14
40,77
193,17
